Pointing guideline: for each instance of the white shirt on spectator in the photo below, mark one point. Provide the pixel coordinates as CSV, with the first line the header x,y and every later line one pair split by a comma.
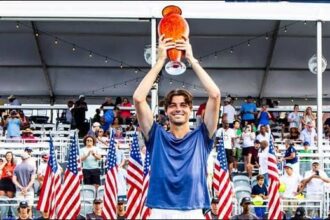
x,y
248,139
291,184
295,117
228,136
230,111
263,160
42,168
261,137
306,136
316,185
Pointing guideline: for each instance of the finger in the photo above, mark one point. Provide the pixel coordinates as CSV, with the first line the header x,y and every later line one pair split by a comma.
x,y
171,43
166,40
161,37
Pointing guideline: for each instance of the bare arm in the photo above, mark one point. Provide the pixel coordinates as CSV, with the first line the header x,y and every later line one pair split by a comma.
x,y
211,115
143,111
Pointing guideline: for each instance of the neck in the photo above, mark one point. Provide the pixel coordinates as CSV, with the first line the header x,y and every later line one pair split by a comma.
x,y
179,131
98,212
245,211
121,213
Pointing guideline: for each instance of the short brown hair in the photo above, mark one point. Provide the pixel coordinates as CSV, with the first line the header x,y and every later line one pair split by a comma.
x,y
178,92
260,177
89,136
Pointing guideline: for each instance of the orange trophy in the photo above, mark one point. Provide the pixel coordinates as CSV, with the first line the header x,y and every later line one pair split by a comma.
x,y
173,25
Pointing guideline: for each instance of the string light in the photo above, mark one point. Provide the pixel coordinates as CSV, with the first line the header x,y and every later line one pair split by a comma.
x,y
56,41
17,25
305,22
248,43
171,81
106,60
121,65
231,50
37,34
136,71
285,29
266,37
90,54
73,48
183,85
215,55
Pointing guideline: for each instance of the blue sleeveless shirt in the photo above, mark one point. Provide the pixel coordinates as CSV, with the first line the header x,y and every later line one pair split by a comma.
x,y
178,169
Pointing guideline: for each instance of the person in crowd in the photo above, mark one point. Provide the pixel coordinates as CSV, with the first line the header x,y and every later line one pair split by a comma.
x,y
294,118
44,216
248,137
264,117
300,214
305,162
24,211
116,123
180,146
237,144
290,156
23,178
97,116
101,139
90,156
125,114
230,111
263,135
326,127
260,189
7,187
79,114
214,208
246,212
12,100
248,111
200,113
308,117
314,181
94,129
28,136
25,120
308,134
67,114
118,101
13,125
107,103
122,173
228,135
121,213
263,160
41,172
97,210
252,158
31,160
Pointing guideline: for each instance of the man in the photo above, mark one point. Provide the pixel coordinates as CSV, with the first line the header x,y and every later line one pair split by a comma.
x,y
179,156
214,208
300,214
229,111
308,134
24,211
248,111
24,176
121,213
97,210
79,115
246,214
314,181
260,190
264,135
12,100
31,160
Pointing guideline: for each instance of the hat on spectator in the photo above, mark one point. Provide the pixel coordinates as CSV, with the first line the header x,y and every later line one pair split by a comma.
x,y
215,200
300,212
315,161
246,200
121,200
11,97
97,201
288,165
44,155
306,143
25,155
23,204
257,141
228,99
81,96
249,97
28,149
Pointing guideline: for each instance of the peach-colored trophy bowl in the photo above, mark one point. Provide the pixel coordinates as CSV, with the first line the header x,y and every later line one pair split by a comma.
x,y
173,25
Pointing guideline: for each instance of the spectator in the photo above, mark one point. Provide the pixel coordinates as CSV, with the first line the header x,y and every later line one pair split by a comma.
x,y
90,156
246,214
248,111
67,117
263,160
308,134
290,156
230,111
28,137
300,214
252,158
24,211
294,119
263,135
125,114
97,210
308,117
7,187
214,208
31,160
264,117
116,123
94,129
118,101
305,162
200,113
260,189
101,139
228,135
121,213
79,115
107,103
42,169
97,116
12,100
237,144
314,181
13,124
24,176
25,120
248,137
44,216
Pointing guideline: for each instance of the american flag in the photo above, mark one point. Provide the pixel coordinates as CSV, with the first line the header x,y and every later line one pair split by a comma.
x,y
69,198
145,211
110,188
51,186
221,183
135,181
274,203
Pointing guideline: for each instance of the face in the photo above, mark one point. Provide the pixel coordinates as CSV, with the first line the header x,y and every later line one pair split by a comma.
x,y
23,213
214,208
246,206
315,167
263,130
120,207
236,125
296,108
89,142
309,110
178,111
101,132
98,206
288,171
260,182
9,156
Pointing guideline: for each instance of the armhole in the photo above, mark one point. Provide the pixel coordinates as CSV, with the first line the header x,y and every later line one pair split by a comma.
x,y
207,139
151,136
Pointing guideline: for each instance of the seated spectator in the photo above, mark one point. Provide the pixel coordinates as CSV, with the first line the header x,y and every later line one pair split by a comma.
x,y
13,124
121,213
200,113
97,210
260,190
28,136
246,213
290,156
7,187
24,211
116,123
44,216
308,117
308,134
305,162
300,214
107,103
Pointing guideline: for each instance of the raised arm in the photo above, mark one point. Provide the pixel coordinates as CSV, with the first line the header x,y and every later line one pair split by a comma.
x,y
211,115
143,111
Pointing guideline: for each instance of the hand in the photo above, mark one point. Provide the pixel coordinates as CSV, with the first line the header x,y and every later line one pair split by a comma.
x,y
185,45
163,45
